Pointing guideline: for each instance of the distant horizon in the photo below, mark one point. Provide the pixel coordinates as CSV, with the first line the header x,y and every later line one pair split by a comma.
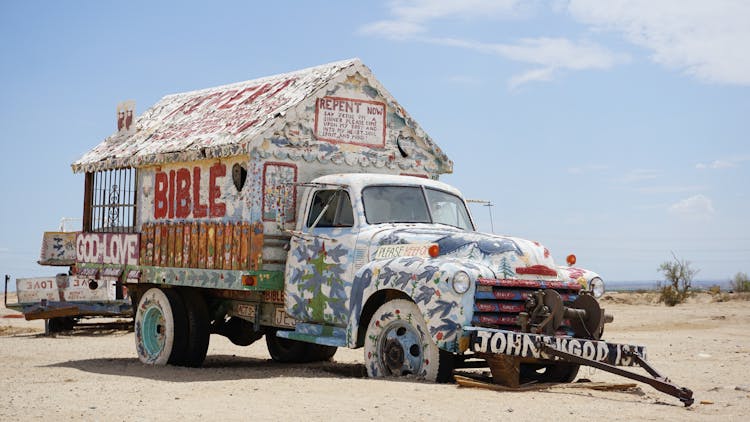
x,y
611,285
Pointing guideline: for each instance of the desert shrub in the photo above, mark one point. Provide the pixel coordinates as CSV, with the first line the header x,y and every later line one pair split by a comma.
x,y
740,283
678,276
714,290
722,297
670,296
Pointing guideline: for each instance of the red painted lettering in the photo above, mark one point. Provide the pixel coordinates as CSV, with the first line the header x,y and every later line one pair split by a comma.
x,y
182,195
160,195
176,194
231,102
171,191
199,210
217,209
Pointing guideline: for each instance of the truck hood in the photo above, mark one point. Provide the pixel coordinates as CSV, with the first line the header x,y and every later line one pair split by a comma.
x,y
507,257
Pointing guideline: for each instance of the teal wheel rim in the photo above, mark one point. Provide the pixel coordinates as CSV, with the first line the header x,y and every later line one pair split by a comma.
x,y
153,331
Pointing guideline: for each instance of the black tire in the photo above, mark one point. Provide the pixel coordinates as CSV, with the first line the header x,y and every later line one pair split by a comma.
x,y
177,356
553,373
285,350
398,344
59,324
161,327
322,353
198,325
240,331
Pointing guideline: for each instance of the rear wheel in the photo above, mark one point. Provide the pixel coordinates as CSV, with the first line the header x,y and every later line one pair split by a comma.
x,y
398,344
197,328
240,331
160,327
59,324
293,351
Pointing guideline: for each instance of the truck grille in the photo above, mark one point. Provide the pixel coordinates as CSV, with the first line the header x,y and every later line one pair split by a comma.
x,y
497,302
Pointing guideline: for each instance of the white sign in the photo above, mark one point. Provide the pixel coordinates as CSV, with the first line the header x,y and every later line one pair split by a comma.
x,y
64,288
79,289
350,121
34,290
393,251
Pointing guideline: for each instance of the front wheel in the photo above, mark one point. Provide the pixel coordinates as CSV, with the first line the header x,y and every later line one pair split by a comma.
x,y
553,372
398,344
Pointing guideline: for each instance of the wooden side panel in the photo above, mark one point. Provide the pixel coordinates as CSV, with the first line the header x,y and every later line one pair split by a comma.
x,y
244,255
151,242
144,241
256,246
194,242
202,241
178,236
208,245
236,246
164,246
211,245
186,232
157,245
220,231
171,241
227,247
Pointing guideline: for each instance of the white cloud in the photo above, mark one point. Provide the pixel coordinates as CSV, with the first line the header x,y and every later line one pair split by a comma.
x,y
549,55
426,10
706,39
639,175
587,169
393,29
723,164
669,189
464,80
413,16
697,207
558,53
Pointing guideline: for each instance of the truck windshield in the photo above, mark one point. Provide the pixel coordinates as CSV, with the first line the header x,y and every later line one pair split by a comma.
x,y
411,204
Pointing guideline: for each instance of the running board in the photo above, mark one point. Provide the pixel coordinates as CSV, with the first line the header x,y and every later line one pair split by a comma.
x,y
657,381
325,335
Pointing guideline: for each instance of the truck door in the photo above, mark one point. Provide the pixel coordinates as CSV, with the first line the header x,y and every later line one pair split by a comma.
x,y
319,264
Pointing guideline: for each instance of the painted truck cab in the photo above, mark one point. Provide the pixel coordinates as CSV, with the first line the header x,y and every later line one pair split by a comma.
x,y
366,237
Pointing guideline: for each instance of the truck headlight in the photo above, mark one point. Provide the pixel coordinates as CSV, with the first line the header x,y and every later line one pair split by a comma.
x,y
596,285
461,282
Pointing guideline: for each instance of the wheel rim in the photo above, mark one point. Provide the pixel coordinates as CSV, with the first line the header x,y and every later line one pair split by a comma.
x,y
400,349
153,332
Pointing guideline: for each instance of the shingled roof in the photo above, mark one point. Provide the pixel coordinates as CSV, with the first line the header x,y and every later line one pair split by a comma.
x,y
224,121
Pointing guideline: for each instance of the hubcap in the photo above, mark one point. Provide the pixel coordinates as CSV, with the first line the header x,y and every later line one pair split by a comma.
x,y
400,349
153,331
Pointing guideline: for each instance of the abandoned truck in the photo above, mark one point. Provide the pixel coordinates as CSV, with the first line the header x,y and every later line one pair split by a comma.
x,y
305,208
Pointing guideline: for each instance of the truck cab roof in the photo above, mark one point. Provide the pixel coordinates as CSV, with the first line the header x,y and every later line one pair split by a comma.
x,y
357,181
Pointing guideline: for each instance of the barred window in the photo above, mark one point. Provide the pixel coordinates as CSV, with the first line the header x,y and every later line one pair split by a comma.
x,y
110,201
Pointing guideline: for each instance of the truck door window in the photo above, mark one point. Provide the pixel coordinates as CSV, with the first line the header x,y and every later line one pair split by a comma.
x,y
331,208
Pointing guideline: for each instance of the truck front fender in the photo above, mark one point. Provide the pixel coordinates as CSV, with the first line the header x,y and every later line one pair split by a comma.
x,y
428,282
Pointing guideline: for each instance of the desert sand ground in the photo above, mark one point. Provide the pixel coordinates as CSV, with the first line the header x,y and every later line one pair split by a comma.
x,y
95,375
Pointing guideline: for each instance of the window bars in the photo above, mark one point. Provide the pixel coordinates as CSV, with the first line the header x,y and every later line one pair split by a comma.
x,y
111,201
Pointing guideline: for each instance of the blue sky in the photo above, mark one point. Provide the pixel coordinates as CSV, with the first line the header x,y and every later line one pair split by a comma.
x,y
616,130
